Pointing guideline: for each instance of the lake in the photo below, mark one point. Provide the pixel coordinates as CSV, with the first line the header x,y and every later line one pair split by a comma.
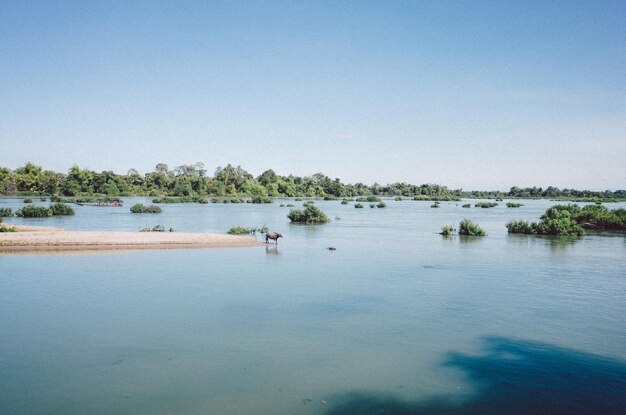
x,y
397,319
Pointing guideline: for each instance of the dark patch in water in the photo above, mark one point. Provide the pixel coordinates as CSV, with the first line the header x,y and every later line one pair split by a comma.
x,y
516,378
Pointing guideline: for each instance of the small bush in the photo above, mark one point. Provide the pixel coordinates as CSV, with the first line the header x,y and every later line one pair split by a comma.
x,y
514,205
311,214
261,199
469,228
358,206
344,202
370,198
521,226
43,199
398,198
61,209
139,208
447,230
330,198
6,212
289,205
381,205
4,228
240,230
436,205
467,205
372,205
28,200
486,205
33,212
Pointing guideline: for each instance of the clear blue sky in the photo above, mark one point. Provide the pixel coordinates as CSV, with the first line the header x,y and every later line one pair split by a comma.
x,y
479,95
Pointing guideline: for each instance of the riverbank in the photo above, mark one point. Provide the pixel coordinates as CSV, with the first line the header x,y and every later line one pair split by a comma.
x,y
38,238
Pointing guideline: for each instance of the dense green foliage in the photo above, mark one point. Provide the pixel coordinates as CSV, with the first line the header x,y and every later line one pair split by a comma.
x,y
33,212
240,230
514,205
60,209
6,212
139,208
310,214
358,205
193,180
4,228
180,199
469,228
486,205
370,198
447,230
571,220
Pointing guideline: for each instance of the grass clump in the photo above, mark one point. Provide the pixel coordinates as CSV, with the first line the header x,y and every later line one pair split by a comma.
x,y
436,205
398,198
486,205
381,205
344,202
61,209
310,214
514,205
139,208
447,230
469,228
6,212
467,205
372,205
28,200
33,212
358,205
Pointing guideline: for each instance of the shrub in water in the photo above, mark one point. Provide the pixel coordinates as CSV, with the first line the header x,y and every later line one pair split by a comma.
x,y
28,200
370,198
447,230
521,226
358,206
381,205
6,212
467,205
261,199
514,205
344,202
485,205
435,205
311,214
397,198
33,212
467,227
61,209
139,208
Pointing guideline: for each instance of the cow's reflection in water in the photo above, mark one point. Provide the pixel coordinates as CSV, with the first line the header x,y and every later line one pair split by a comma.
x,y
271,249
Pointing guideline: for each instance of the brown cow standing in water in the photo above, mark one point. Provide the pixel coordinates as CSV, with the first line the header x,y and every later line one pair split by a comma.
x,y
273,236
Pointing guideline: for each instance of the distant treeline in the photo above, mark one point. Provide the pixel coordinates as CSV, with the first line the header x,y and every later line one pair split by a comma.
x,y
193,180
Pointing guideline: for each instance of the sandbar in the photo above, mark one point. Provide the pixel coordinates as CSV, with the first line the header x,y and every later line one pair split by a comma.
x,y
39,238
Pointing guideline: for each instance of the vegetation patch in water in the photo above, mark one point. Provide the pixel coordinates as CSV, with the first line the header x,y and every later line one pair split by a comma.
x,y
181,199
514,205
486,205
469,228
139,208
447,230
61,209
33,212
310,214
6,212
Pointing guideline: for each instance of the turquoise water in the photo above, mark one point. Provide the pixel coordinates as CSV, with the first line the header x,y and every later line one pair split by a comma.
x,y
397,319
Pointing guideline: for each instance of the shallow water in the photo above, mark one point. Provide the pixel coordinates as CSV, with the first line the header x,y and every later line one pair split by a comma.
x,y
396,319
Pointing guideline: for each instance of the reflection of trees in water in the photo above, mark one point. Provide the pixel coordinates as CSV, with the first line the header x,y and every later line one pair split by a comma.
x,y
556,243
515,378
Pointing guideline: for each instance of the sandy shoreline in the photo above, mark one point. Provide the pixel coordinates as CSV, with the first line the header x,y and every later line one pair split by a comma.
x,y
32,238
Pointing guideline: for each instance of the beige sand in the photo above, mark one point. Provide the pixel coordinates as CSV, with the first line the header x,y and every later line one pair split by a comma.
x,y
32,238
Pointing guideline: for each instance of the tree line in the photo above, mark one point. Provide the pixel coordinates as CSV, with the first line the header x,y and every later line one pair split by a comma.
x,y
194,180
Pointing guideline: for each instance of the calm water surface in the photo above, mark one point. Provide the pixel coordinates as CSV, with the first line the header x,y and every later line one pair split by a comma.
x,y
397,320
